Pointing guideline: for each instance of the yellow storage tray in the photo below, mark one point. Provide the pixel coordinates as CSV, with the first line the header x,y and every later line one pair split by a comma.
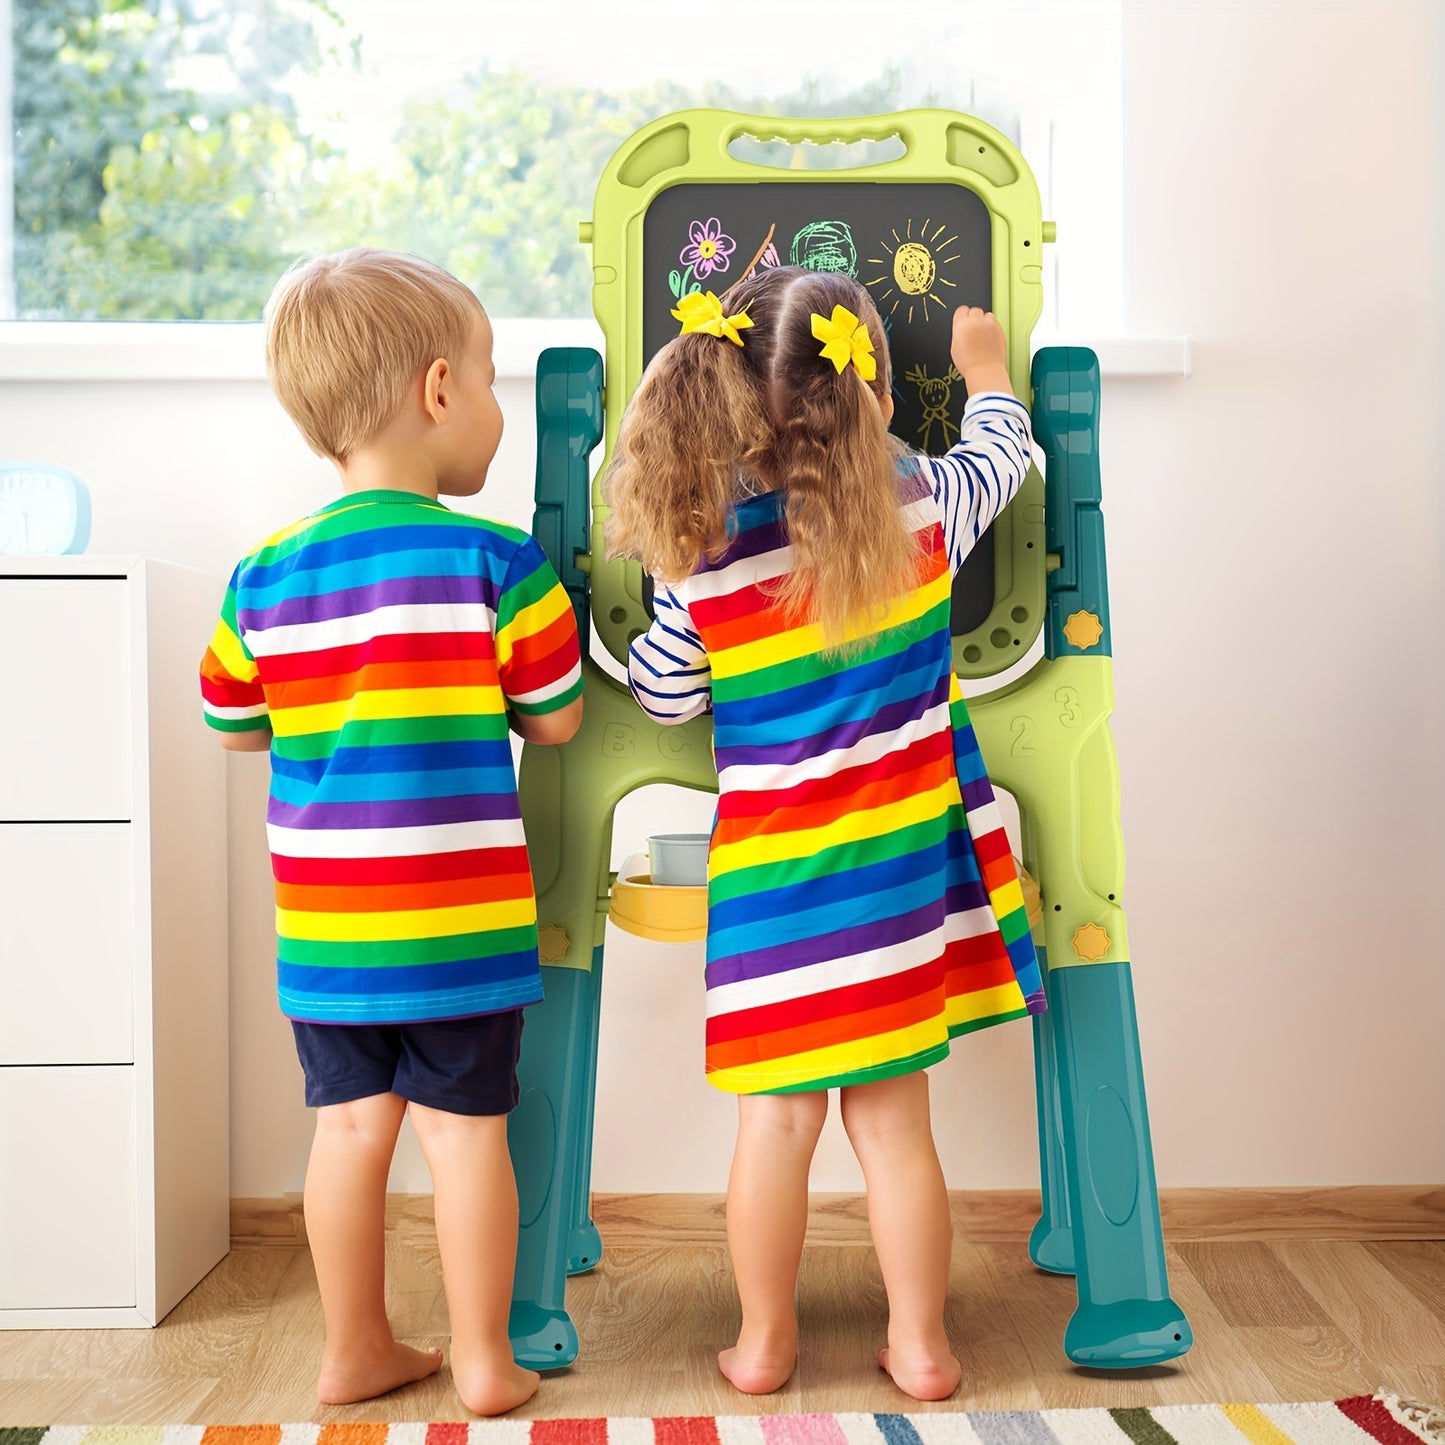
x,y
663,913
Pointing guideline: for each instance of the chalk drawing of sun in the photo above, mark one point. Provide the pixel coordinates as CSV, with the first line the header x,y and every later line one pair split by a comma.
x,y
913,269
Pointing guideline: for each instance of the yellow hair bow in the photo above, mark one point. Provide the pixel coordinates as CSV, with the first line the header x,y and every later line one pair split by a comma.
x,y
702,311
846,340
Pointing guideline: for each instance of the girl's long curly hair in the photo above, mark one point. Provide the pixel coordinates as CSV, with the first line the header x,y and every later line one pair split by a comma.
x,y
774,412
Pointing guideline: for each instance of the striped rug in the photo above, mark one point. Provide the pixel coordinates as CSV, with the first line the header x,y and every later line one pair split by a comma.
x,y
1363,1420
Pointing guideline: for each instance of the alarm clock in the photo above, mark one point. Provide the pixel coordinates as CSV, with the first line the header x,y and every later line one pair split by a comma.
x,y
44,511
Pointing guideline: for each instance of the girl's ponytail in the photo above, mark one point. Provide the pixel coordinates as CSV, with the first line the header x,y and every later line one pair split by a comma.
x,y
853,554
694,420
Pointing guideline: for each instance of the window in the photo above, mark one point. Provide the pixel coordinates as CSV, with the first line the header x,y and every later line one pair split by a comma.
x,y
168,158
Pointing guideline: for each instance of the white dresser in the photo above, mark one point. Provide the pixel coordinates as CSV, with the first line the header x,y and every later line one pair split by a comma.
x,y
114,1149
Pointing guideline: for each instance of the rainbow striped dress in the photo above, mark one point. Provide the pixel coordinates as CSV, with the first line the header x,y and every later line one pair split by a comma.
x,y
383,640
863,904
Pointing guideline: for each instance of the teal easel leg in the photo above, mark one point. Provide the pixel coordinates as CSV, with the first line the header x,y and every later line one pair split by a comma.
x,y
584,1243
569,427
1051,730
568,794
1125,1317
1051,1245
546,1133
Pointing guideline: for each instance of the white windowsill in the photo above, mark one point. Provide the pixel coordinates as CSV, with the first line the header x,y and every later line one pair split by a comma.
x,y
231,351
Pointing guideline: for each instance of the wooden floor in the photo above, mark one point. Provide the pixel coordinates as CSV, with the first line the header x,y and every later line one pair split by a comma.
x,y
1273,1320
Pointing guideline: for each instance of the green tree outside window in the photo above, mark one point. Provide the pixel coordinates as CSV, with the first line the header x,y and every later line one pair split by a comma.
x,y
142,194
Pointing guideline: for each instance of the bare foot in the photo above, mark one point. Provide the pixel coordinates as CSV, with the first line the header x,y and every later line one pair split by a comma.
x,y
926,1373
491,1383
759,1363
363,1376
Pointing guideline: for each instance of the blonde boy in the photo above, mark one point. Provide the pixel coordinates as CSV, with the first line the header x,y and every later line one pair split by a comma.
x,y
380,648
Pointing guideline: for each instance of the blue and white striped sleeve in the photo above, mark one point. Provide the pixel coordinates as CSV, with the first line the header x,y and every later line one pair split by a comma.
x,y
980,475
667,668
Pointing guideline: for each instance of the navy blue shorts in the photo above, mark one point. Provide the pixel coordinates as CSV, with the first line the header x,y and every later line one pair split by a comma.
x,y
461,1066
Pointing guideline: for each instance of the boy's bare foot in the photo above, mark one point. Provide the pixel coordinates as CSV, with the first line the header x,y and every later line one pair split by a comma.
x,y
491,1384
759,1363
354,1377
923,1371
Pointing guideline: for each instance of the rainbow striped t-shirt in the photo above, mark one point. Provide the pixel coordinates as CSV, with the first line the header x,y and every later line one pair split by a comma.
x,y
383,639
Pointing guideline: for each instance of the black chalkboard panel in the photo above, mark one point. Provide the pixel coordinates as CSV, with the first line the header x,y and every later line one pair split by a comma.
x,y
921,249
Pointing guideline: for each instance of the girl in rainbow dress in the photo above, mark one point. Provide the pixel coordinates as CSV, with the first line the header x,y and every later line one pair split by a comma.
x,y
863,905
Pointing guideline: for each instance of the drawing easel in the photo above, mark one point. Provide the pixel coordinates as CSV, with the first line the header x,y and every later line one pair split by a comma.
x,y
955,218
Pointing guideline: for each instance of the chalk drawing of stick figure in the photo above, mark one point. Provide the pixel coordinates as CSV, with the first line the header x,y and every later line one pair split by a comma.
x,y
934,395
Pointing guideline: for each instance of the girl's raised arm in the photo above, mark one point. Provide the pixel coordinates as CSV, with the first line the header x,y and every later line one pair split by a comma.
x,y
980,475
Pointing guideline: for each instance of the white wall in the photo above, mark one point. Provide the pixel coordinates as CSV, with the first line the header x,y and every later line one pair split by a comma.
x,y
1276,567
1275,551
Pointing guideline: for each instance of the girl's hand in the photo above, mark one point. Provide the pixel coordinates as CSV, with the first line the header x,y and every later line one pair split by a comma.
x,y
980,350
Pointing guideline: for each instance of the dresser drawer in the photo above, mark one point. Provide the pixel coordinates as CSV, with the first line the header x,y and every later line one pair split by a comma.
x,y
67,943
67,1188
65,731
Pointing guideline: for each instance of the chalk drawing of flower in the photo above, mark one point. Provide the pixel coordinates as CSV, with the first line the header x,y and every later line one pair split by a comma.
x,y
710,249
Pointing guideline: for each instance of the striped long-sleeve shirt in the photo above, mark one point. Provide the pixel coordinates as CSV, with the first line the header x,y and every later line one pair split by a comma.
x,y
863,906
384,640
